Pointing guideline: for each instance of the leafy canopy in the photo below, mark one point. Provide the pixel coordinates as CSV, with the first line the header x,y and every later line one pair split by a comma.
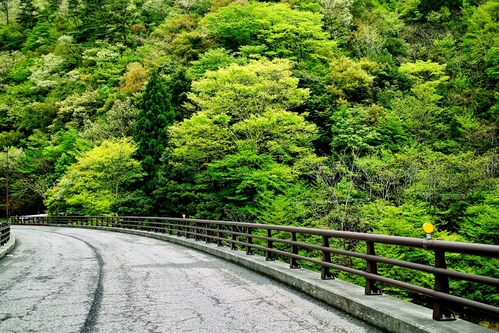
x,y
97,179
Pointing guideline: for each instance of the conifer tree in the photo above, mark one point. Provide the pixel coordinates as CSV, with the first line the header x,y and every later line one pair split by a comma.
x,y
27,16
73,12
94,18
155,116
5,8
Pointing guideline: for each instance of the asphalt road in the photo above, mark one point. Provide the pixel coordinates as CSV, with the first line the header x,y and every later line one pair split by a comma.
x,y
78,280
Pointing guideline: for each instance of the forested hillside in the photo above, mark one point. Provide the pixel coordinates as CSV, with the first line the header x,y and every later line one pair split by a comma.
x,y
359,115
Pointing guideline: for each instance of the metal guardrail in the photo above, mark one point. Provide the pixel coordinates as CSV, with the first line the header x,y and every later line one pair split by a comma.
x,y
4,233
259,237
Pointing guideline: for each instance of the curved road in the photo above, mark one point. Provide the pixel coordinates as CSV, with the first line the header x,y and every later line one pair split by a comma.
x,y
79,280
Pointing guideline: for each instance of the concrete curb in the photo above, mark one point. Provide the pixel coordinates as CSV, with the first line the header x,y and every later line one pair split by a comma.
x,y
384,312
5,249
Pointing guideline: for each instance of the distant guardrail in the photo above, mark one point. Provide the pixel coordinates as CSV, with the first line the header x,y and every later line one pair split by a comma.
x,y
4,233
261,237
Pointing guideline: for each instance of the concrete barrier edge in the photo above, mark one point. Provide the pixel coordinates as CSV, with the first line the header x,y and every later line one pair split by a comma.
x,y
5,249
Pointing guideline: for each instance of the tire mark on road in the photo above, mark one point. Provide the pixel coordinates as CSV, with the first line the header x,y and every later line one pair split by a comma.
x,y
91,319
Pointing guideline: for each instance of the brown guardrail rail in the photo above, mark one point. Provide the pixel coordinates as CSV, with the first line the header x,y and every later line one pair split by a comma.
x,y
4,233
239,234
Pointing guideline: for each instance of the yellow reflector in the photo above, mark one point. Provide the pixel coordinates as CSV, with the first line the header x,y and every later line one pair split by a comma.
x,y
428,228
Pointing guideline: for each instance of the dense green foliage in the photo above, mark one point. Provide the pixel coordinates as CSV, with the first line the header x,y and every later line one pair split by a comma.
x,y
361,115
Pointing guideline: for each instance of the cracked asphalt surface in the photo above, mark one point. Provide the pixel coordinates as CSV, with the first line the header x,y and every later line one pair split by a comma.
x,y
79,280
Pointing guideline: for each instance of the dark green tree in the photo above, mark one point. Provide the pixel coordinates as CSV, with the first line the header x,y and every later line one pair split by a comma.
x,y
72,16
50,11
99,19
5,8
94,18
120,20
427,6
27,16
155,116
179,85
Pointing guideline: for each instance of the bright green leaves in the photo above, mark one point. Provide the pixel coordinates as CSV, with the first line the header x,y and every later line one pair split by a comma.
x,y
481,35
480,47
388,175
212,60
481,221
96,180
243,144
283,31
451,183
200,139
427,78
283,135
62,150
102,63
239,91
12,161
239,163
269,152
242,177
350,80
350,131
235,26
492,63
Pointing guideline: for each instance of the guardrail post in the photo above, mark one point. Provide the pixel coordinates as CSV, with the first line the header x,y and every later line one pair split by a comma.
x,y
440,311
269,256
249,241
197,236
219,234
371,267
4,233
208,234
187,230
233,245
294,250
178,228
326,257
